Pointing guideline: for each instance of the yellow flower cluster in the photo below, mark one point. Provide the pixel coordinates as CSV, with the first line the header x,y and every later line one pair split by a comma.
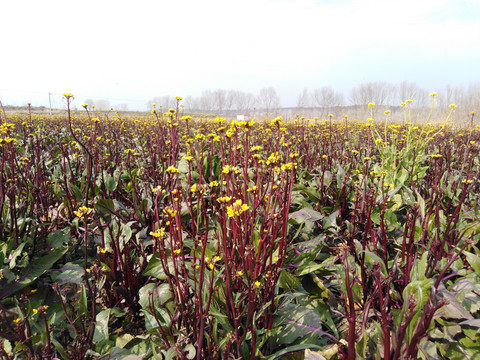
x,y
277,120
273,158
237,208
159,234
287,166
211,262
172,170
83,211
223,199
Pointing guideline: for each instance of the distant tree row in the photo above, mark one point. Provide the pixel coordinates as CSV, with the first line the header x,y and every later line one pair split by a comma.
x,y
103,104
324,100
224,102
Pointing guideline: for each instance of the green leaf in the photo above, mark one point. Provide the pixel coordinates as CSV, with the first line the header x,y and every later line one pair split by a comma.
x,y
473,260
466,291
82,303
421,203
190,350
153,299
58,238
110,183
69,274
3,251
34,270
420,289
472,229
101,325
78,193
289,349
305,214
155,268
12,259
402,176
287,281
104,206
397,202
419,268
331,220
311,193
308,268
471,322
372,259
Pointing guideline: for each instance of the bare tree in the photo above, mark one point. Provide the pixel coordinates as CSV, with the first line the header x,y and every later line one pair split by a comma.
x,y
472,98
219,100
411,91
379,92
327,99
165,102
229,100
121,107
102,104
206,101
268,100
90,103
250,102
191,104
304,100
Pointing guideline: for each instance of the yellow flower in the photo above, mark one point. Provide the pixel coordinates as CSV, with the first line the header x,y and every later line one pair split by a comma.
x,y
158,190
252,189
257,284
433,94
172,170
68,95
277,120
226,169
371,105
83,211
237,208
240,273
160,233
452,106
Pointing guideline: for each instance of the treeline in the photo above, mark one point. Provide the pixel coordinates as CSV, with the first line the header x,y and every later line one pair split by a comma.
x,y
324,100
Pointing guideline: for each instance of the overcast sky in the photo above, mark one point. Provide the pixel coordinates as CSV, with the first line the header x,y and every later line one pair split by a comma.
x,y
130,52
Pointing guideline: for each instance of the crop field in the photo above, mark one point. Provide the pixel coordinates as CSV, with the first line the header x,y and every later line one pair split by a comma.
x,y
169,236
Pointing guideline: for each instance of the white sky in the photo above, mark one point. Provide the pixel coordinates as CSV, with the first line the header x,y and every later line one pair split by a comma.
x,y
130,52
